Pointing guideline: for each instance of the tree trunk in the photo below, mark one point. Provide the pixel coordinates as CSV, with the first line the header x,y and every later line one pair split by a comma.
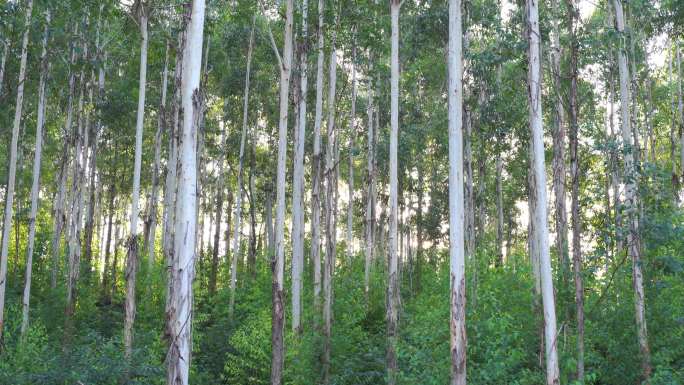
x,y
35,186
183,269
456,199
558,163
151,222
238,195
370,206
9,192
352,134
499,207
278,314
680,109
575,175
219,209
316,172
108,245
132,255
541,226
673,124
631,188
393,280
3,61
298,179
330,214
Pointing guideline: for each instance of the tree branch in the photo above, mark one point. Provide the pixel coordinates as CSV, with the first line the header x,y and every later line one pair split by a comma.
x,y
270,36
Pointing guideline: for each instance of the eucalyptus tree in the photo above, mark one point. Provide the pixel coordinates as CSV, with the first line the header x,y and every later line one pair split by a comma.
x,y
140,8
298,176
539,171
631,191
278,264
393,278
9,192
316,164
457,295
241,161
35,185
179,304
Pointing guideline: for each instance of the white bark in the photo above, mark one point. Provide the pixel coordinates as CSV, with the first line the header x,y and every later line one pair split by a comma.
x,y
298,180
316,172
456,197
183,270
278,323
352,134
541,225
3,61
9,192
132,255
330,212
35,186
154,197
631,188
238,200
393,279
370,198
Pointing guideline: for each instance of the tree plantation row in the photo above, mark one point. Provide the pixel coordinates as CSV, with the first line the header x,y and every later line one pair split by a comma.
x,y
342,192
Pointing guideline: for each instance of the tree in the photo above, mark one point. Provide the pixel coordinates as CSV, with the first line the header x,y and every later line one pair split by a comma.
x,y
278,263
140,8
316,164
456,198
540,218
182,271
393,279
35,186
9,192
631,191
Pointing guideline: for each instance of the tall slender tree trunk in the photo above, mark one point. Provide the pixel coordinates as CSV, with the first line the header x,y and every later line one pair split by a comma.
x,y
558,163
673,124
330,208
108,244
575,175
219,209
370,206
680,109
35,186
3,60
9,192
183,269
352,135
499,206
316,172
541,226
298,177
456,199
132,255
238,195
393,279
633,241
278,311
151,222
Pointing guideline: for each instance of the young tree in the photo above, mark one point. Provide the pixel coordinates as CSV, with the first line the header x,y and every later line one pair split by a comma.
x,y
183,271
298,177
540,218
35,186
330,208
141,10
352,134
575,176
393,278
316,172
150,231
278,311
456,199
631,188
238,199
9,192
370,197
